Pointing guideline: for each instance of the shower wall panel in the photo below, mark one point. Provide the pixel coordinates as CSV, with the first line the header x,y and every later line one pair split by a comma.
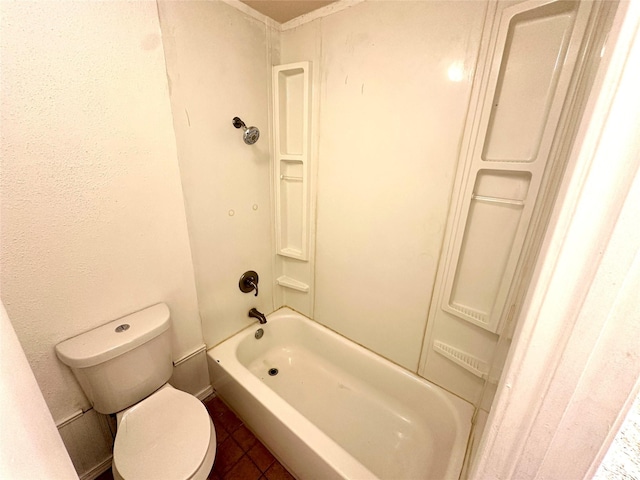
x,y
511,143
218,65
394,83
295,277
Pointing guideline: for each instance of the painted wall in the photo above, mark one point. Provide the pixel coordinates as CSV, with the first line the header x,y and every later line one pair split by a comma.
x,y
93,221
218,68
395,81
27,425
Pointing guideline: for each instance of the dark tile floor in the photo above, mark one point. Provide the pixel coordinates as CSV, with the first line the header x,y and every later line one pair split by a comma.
x,y
239,455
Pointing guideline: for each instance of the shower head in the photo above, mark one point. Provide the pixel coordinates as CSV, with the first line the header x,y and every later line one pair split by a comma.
x,y
251,134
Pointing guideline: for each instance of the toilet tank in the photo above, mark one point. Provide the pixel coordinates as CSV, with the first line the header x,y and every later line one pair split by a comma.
x,y
124,361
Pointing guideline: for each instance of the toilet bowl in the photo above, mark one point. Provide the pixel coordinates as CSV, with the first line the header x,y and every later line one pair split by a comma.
x,y
123,368
166,426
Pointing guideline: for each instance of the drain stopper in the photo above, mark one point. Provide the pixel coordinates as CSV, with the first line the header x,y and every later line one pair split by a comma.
x,y
273,371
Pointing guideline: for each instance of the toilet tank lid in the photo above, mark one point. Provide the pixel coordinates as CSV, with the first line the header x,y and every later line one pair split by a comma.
x,y
108,341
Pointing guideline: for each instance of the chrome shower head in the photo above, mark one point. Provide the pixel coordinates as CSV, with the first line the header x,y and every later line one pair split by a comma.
x,y
251,134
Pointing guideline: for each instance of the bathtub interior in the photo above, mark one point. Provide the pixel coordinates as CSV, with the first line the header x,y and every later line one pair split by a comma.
x,y
391,421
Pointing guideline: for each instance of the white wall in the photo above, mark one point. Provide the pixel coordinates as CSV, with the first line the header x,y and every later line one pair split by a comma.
x,y
218,68
27,425
93,222
391,121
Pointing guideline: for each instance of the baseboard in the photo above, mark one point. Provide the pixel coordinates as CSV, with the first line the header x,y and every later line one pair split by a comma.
x,y
98,470
204,393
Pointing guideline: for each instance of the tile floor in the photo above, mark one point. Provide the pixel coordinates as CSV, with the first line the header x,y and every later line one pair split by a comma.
x,y
239,455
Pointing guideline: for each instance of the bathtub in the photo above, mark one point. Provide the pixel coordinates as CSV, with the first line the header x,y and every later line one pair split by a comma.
x,y
336,410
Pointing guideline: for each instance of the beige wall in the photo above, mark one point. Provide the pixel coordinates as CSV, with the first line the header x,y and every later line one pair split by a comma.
x,y
27,425
93,221
218,68
390,125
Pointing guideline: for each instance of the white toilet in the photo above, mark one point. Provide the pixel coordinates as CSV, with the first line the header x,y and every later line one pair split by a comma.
x,y
123,367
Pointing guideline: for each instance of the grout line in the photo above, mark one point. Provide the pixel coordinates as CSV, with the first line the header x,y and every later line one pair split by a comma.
x,y
219,426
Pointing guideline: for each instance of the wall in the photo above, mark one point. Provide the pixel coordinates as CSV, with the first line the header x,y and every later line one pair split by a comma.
x,y
218,68
27,425
395,80
93,222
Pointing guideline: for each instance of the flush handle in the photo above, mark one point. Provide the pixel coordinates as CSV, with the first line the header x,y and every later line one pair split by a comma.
x,y
249,282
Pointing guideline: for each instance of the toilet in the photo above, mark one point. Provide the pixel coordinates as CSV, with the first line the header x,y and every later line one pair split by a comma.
x,y
124,368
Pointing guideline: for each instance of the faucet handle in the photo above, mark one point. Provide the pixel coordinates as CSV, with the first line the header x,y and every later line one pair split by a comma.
x,y
249,282
254,286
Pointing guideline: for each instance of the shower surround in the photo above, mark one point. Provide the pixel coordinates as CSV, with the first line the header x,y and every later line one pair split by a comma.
x,y
378,199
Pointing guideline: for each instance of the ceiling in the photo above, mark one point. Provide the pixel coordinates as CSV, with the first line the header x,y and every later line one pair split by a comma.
x,y
284,10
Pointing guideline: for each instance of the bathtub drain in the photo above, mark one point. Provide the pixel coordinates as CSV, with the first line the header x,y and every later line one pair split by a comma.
x,y
273,371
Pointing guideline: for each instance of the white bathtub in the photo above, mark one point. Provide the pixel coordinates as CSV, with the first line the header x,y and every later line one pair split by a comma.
x,y
335,409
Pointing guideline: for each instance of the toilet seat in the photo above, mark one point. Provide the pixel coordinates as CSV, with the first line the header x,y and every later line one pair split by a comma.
x,y
167,435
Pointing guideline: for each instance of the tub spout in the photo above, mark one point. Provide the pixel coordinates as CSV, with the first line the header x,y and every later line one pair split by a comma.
x,y
253,313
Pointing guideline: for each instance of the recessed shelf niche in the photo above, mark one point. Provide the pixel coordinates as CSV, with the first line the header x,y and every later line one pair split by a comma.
x,y
541,36
525,89
531,69
482,273
291,111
